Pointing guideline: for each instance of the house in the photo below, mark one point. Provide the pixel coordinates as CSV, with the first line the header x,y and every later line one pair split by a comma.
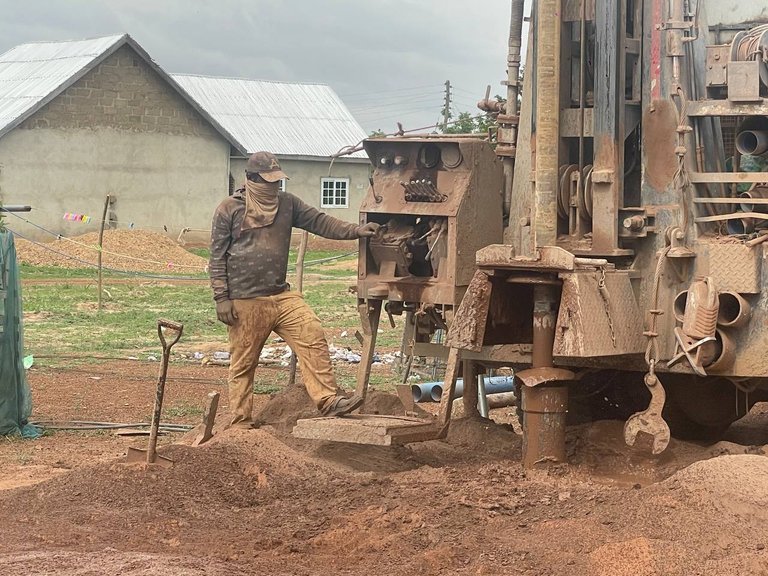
x,y
85,119
302,124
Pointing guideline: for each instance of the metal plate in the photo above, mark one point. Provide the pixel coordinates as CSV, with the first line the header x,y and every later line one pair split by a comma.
x,y
733,267
744,81
367,429
583,326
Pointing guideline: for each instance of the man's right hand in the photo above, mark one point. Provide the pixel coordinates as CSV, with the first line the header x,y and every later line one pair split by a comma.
x,y
225,312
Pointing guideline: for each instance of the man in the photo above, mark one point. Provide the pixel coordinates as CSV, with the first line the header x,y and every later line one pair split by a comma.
x,y
250,240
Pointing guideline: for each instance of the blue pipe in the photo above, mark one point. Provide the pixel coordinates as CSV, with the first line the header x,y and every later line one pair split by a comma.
x,y
431,391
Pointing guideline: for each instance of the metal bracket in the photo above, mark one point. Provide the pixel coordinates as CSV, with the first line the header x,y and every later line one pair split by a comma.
x,y
649,421
689,348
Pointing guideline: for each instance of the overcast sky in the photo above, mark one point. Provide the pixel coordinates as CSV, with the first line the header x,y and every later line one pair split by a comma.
x,y
387,59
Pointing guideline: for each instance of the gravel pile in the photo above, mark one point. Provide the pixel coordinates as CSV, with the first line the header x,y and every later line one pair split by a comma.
x,y
125,250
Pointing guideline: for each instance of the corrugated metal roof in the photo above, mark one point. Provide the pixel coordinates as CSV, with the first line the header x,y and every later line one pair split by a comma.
x,y
31,73
284,118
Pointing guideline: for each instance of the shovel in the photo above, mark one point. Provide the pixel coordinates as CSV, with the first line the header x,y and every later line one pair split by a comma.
x,y
150,455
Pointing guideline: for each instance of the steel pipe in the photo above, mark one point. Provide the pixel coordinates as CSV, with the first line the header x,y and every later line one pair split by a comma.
x,y
501,400
752,142
757,192
740,226
545,410
513,91
678,307
547,98
734,311
431,391
544,405
723,353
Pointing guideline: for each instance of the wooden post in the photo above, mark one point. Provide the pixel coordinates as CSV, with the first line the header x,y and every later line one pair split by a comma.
x,y
300,287
101,241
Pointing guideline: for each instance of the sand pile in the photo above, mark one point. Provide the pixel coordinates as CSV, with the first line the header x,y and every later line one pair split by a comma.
x,y
125,250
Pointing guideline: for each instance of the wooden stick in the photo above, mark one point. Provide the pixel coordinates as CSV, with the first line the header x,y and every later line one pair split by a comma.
x,y
101,239
300,287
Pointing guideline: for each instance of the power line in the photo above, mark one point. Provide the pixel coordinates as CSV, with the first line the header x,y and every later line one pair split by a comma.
x,y
388,91
141,274
437,98
467,92
392,97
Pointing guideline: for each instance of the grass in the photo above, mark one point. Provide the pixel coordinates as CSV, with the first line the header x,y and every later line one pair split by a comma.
x,y
62,320
182,410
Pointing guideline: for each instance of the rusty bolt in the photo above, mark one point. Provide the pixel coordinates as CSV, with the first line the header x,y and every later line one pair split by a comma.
x,y
634,223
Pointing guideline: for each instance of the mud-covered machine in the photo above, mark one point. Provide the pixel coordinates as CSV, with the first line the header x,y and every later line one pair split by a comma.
x,y
615,225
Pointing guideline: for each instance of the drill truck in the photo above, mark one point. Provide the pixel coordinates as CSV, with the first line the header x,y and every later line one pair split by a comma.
x,y
607,242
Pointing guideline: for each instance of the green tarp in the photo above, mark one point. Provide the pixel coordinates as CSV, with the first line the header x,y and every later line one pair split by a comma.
x,y
15,398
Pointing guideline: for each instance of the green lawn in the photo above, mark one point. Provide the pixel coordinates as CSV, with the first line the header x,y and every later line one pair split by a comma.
x,y
61,316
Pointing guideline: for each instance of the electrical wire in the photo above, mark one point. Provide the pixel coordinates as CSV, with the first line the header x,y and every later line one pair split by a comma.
x,y
395,103
99,249
94,265
291,267
88,425
387,91
351,149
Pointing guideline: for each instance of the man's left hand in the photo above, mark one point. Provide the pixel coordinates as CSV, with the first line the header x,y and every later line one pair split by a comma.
x,y
368,230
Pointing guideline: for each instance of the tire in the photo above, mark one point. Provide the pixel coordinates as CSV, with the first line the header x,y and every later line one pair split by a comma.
x,y
699,408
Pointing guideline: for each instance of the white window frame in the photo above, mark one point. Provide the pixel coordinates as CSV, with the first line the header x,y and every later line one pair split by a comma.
x,y
334,203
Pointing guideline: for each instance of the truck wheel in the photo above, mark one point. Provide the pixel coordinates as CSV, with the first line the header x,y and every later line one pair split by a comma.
x,y
700,408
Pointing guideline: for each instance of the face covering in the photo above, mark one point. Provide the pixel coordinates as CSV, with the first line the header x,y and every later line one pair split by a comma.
x,y
261,202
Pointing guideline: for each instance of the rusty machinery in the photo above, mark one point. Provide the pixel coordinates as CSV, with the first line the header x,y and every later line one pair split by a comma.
x,y
636,194
438,201
638,210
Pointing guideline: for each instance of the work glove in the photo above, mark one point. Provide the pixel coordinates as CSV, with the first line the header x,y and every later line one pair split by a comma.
x,y
225,312
368,230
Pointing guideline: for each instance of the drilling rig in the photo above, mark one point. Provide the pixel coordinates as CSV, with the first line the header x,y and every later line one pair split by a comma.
x,y
616,227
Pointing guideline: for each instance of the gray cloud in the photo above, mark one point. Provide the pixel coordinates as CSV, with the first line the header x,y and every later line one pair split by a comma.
x,y
388,59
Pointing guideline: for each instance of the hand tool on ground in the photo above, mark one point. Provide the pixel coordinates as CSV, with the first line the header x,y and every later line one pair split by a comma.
x,y
204,430
150,455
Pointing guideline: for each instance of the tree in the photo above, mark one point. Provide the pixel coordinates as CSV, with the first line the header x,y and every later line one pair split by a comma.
x,y
466,123
377,133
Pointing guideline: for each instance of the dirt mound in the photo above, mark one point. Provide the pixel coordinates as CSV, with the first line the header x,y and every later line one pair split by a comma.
x,y
110,562
286,407
728,485
293,403
482,435
125,250
377,402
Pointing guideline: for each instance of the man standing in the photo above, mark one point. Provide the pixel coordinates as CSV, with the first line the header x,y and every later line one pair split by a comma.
x,y
250,241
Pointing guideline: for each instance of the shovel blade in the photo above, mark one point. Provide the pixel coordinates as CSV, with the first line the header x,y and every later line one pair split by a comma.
x,y
137,455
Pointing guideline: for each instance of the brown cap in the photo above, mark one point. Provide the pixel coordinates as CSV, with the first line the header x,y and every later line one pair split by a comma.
x,y
266,165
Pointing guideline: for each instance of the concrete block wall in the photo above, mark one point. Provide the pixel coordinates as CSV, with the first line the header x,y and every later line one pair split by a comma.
x,y
124,93
119,130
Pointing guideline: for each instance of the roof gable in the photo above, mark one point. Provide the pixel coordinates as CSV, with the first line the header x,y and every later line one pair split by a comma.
x,y
31,75
285,118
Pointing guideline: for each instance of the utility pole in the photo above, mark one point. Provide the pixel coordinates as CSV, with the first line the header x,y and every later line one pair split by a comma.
x,y
447,106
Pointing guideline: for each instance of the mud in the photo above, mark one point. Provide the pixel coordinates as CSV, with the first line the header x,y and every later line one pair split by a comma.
x,y
261,502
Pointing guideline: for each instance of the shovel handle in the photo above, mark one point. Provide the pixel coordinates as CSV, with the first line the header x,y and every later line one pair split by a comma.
x,y
164,326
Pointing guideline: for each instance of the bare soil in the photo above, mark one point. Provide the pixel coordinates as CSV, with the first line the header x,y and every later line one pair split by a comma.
x,y
262,502
125,250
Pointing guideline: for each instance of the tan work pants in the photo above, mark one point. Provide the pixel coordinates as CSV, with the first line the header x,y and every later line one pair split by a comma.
x,y
294,321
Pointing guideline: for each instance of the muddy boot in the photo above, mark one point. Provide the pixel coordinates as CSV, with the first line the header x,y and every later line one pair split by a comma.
x,y
339,405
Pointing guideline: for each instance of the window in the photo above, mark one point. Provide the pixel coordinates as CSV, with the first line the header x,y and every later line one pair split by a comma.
x,y
282,185
335,193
